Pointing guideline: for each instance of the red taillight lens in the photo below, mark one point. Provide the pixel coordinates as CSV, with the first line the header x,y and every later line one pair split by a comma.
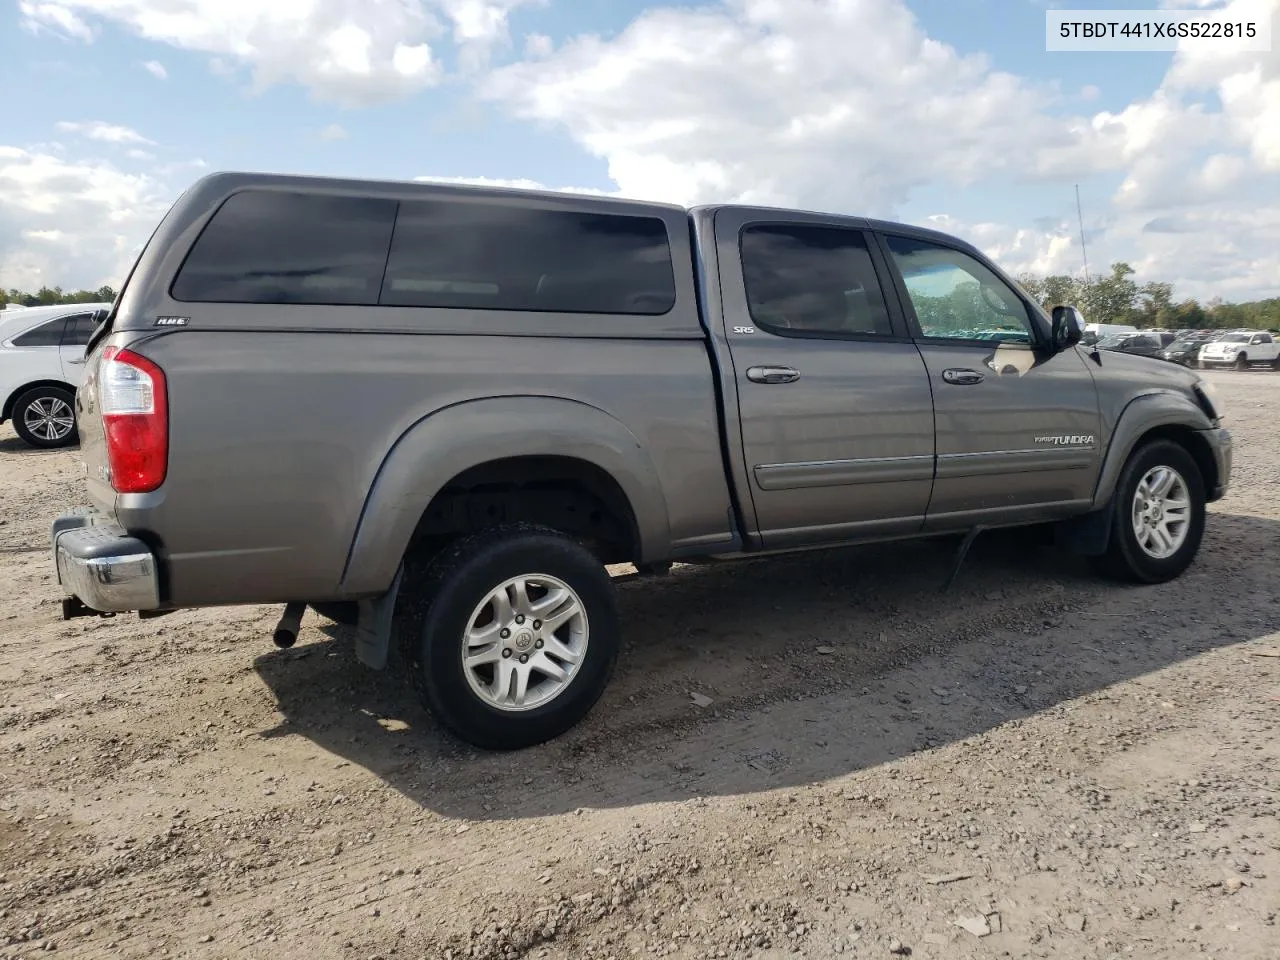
x,y
135,417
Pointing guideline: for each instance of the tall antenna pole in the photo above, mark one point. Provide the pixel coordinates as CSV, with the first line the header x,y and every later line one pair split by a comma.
x,y
1083,252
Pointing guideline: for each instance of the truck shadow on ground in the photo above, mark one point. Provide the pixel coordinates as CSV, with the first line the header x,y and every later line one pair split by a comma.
x,y
817,665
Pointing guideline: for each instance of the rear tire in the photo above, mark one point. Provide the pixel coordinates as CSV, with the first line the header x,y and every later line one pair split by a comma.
x,y
1148,543
451,621
45,418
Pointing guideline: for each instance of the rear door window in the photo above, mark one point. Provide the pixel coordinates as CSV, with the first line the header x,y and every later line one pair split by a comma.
x,y
495,256
817,281
266,246
79,329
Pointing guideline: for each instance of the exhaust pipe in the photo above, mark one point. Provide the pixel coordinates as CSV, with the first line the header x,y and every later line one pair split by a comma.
x,y
286,634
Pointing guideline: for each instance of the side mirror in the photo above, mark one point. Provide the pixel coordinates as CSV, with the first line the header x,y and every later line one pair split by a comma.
x,y
99,315
1068,327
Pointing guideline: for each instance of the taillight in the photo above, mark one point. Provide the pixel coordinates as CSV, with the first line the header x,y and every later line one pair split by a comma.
x,y
135,418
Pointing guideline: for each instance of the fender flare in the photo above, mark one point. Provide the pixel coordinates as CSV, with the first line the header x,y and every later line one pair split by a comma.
x,y
452,439
1142,414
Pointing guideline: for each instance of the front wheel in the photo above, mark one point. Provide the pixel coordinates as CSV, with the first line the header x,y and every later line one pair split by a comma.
x,y
510,635
1242,361
45,417
1158,515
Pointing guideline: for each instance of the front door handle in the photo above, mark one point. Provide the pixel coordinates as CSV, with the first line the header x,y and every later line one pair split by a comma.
x,y
960,376
772,375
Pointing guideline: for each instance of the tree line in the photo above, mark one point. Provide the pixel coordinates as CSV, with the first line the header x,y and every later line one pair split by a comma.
x,y
1118,298
1111,298
54,296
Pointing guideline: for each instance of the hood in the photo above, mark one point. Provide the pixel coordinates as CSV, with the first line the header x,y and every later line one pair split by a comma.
x,y
1147,371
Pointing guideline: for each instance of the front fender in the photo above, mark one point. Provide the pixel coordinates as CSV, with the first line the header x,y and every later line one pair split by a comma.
x,y
1142,414
456,438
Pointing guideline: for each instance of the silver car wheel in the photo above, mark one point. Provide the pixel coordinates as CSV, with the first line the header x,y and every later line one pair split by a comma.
x,y
525,642
49,418
1161,512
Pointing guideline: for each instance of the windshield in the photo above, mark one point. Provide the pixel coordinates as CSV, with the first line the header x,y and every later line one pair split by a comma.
x,y
1236,338
1112,341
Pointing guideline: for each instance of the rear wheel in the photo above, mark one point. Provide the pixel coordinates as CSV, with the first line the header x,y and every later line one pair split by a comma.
x,y
510,635
45,417
1275,364
1158,515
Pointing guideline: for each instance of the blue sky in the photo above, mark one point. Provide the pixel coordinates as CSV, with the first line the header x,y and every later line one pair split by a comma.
x,y
207,108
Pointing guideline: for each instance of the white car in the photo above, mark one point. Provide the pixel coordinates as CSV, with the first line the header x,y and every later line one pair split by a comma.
x,y
1242,350
41,362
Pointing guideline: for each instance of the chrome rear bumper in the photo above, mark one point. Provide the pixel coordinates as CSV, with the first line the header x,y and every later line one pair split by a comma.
x,y
101,565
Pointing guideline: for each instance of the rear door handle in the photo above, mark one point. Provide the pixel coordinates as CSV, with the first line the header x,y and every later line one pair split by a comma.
x,y
78,362
960,376
772,375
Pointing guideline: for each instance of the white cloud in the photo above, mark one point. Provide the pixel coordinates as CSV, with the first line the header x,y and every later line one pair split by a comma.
x,y
156,69
333,132
479,26
104,132
347,51
71,224
54,18
762,101
537,45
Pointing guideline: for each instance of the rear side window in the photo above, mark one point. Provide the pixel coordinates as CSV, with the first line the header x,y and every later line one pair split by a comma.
x,y
491,256
79,329
812,280
46,335
266,246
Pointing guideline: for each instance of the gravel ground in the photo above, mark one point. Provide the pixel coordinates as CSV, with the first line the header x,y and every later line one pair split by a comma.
x,y
1036,764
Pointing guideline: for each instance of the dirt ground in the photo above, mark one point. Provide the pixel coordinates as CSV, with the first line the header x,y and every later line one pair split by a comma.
x,y
1036,764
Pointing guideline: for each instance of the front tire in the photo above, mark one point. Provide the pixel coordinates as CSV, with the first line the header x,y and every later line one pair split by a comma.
x,y
1158,515
510,635
1242,361
45,418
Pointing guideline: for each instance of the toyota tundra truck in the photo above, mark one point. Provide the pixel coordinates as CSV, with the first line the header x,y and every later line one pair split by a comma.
x,y
438,413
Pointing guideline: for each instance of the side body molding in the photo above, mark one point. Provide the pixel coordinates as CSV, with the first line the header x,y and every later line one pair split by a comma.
x,y
1143,413
452,439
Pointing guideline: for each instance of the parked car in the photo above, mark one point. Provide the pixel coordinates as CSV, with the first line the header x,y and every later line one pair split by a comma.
x,y
1095,332
1184,351
1242,350
479,398
1137,344
41,361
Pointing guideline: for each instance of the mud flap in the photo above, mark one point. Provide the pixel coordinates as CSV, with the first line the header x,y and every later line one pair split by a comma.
x,y
1087,535
374,623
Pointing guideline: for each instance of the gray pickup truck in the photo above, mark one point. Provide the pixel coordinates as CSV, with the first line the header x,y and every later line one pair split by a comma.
x,y
436,413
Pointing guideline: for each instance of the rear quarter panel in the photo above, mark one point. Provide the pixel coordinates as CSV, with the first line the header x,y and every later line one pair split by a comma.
x,y
276,439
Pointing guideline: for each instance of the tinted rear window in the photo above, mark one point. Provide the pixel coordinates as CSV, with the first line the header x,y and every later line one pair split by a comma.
x,y
46,335
79,329
491,256
272,247
812,280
